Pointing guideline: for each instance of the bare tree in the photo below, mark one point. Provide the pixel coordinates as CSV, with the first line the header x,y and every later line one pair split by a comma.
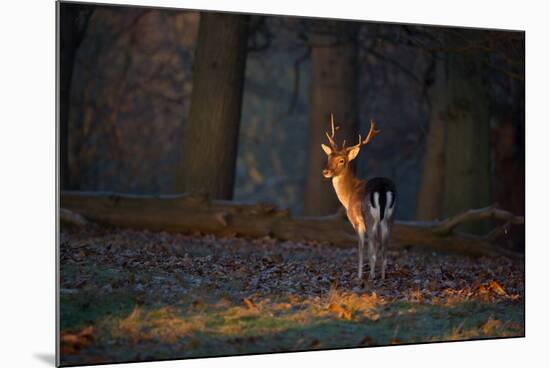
x,y
456,174
333,90
467,144
432,182
210,135
73,21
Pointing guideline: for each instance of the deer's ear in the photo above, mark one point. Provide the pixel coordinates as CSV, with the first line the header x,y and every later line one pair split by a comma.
x,y
327,149
353,152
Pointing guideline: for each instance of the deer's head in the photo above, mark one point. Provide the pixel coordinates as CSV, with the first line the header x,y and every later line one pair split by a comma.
x,y
338,159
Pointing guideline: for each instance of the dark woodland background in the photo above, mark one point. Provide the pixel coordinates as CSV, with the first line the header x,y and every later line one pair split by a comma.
x,y
449,103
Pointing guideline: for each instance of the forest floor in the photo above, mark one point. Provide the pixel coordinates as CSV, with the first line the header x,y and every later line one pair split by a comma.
x,y
136,295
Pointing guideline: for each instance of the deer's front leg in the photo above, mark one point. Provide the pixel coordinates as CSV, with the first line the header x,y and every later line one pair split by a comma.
x,y
360,251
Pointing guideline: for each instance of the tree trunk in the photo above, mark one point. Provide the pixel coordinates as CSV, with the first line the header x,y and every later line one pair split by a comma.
x,y
192,212
333,89
432,183
456,174
467,154
67,50
72,24
210,135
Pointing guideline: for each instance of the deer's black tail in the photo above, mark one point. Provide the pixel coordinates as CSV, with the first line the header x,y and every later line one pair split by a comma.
x,y
382,195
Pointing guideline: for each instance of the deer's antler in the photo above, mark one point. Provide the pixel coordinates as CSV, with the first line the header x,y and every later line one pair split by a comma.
x,y
331,136
371,134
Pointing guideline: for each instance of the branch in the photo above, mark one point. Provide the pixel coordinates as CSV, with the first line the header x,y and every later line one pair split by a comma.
x,y
491,212
395,64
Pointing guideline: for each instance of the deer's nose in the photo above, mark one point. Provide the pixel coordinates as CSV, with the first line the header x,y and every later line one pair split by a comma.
x,y
326,173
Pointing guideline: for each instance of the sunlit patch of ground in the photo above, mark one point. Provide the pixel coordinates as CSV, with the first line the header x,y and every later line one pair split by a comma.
x,y
129,295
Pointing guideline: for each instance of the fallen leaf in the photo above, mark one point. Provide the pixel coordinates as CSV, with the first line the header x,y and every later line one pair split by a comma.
x,y
72,342
198,304
373,316
490,327
223,303
249,304
367,341
315,344
340,311
495,286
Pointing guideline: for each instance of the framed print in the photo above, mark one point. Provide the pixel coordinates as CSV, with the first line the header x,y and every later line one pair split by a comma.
x,y
235,184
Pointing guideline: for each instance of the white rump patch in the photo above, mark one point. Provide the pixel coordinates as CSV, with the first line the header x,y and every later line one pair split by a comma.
x,y
375,211
387,216
389,207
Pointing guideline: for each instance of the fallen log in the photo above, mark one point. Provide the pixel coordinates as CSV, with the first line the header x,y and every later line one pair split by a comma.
x,y
68,217
196,212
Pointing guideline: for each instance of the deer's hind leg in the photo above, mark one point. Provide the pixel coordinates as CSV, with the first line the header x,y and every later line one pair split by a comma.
x,y
385,241
383,256
373,240
385,232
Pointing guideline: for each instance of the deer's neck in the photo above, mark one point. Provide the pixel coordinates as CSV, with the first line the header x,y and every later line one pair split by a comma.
x,y
344,185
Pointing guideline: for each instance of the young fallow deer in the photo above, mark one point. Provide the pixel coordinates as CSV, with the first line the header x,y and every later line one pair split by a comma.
x,y
369,203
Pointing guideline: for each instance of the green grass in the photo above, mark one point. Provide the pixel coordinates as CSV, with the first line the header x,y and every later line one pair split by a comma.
x,y
335,321
79,311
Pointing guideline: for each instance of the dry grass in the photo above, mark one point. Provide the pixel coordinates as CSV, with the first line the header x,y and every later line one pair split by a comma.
x,y
162,324
349,305
490,329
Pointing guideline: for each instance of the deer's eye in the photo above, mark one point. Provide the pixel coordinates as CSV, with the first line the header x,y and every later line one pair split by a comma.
x,y
341,161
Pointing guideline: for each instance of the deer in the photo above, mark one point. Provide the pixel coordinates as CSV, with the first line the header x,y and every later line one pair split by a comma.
x,y
369,204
